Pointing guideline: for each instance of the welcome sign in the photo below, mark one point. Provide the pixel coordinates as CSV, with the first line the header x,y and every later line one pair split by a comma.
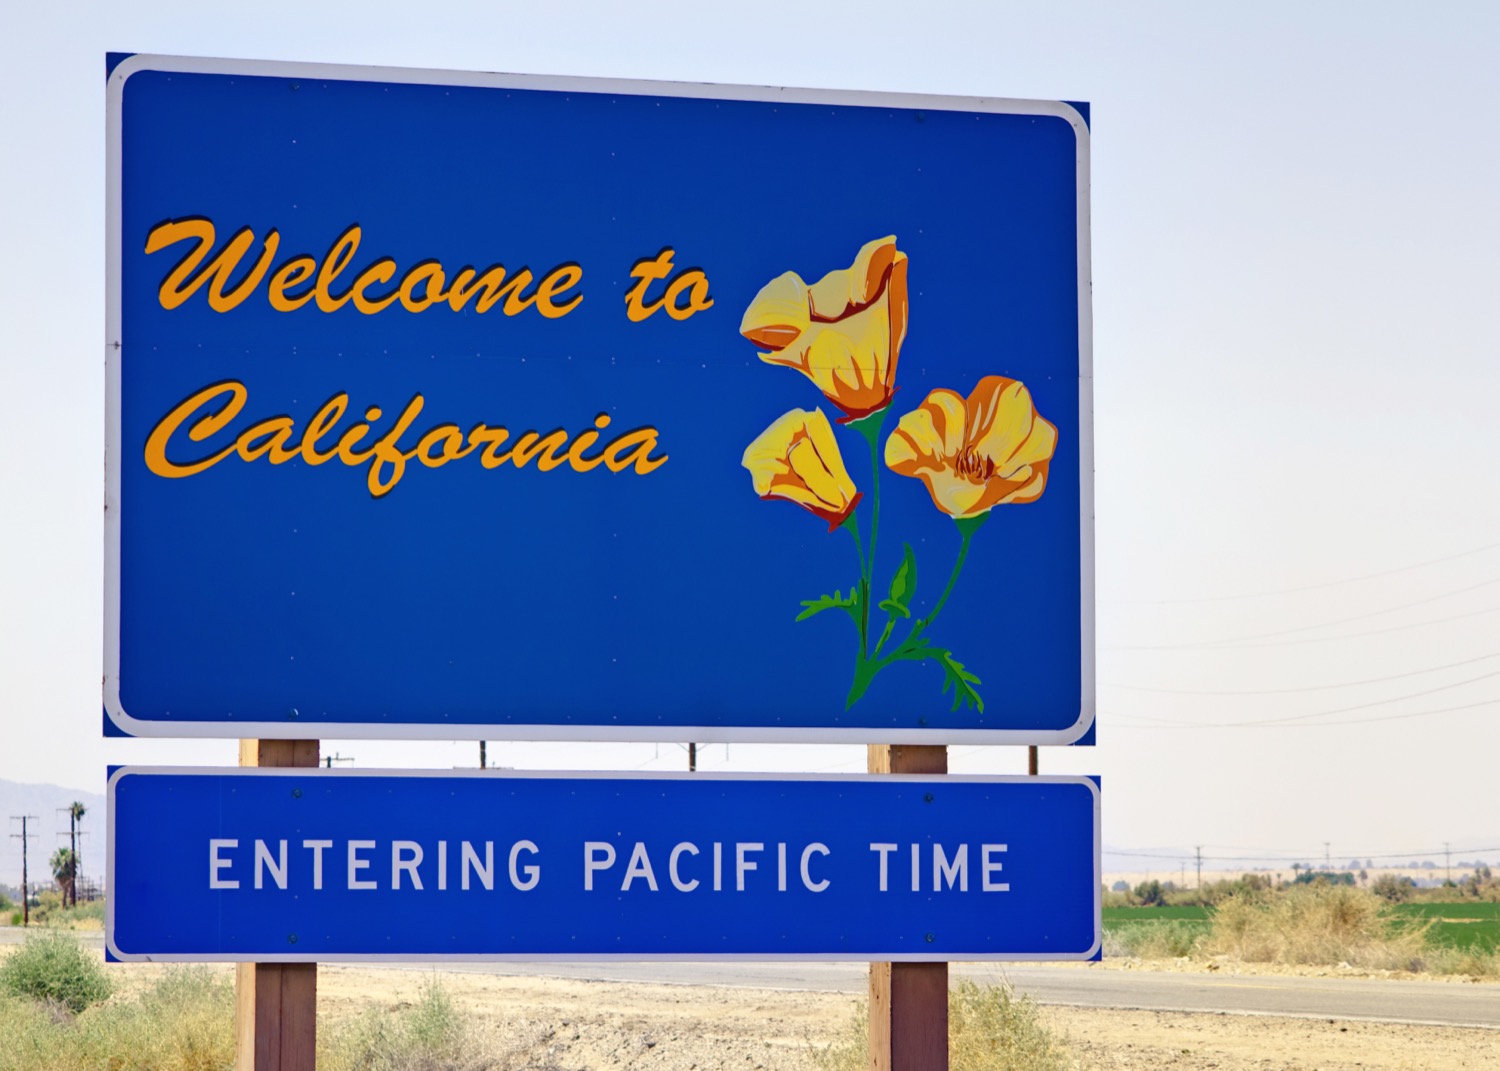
x,y
453,405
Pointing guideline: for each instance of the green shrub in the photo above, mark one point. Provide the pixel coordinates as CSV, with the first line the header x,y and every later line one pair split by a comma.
x,y
86,916
428,1034
1169,939
53,967
990,1028
1148,893
1394,888
183,1021
1324,877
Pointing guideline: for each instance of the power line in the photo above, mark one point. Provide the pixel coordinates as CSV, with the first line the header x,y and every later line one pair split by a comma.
x,y
1304,688
1312,587
1366,706
1235,644
1357,617
1288,856
1281,723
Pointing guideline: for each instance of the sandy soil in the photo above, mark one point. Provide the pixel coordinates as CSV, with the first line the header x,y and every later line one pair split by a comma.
x,y
566,1025
542,1024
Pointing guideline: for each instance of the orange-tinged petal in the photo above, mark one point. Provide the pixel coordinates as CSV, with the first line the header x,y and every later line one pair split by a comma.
x,y
842,291
974,454
1000,419
928,435
797,458
844,332
778,314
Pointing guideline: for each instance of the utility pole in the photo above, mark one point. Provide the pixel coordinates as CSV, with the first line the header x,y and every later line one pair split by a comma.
x,y
74,811
1327,855
1198,850
483,761
692,758
1447,862
23,836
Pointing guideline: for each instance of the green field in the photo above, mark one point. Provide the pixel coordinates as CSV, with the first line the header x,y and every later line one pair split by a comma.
x,y
1118,915
1467,925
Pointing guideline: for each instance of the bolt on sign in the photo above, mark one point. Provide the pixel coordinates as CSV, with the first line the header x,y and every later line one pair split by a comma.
x,y
457,405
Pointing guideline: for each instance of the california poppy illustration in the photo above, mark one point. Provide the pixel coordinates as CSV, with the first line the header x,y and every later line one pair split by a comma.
x,y
797,459
973,453
843,332
990,449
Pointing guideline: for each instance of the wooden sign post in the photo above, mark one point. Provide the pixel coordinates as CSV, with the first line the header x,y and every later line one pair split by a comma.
x,y
276,1004
908,1001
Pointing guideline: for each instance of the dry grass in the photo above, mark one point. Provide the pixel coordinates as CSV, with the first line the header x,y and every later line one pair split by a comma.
x,y
183,1020
1317,924
990,1028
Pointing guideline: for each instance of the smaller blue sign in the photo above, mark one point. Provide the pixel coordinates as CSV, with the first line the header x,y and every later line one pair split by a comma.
x,y
326,865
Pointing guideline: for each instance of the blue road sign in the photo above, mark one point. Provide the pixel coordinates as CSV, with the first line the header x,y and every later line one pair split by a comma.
x,y
320,865
451,405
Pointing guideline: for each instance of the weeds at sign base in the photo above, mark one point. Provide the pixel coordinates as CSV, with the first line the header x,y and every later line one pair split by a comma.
x,y
990,1028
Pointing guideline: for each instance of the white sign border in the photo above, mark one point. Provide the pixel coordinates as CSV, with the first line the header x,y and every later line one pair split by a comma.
x,y
317,773
115,713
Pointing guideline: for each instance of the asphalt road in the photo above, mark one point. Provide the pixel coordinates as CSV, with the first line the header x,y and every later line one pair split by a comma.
x,y
1365,999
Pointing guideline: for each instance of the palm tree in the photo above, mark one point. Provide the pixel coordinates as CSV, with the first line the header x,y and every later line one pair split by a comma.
x,y
64,869
76,811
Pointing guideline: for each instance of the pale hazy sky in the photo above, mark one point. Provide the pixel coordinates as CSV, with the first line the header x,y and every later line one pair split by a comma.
x,y
1296,220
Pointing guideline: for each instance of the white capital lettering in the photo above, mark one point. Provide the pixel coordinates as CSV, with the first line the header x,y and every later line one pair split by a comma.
x,y
639,867
531,870
993,867
470,861
741,864
318,847
216,863
264,862
406,855
356,864
813,886
677,881
885,851
593,860
941,869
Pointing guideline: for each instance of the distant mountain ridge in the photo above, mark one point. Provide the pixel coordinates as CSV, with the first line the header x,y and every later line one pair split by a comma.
x,y
47,804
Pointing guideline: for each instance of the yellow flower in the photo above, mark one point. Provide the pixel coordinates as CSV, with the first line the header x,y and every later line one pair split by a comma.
x,y
975,454
797,458
843,332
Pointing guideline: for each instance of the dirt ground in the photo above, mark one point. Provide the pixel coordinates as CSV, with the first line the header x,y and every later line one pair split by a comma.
x,y
545,1024
566,1025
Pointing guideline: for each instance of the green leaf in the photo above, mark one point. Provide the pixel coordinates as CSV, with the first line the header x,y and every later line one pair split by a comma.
x,y
837,601
955,675
903,586
962,682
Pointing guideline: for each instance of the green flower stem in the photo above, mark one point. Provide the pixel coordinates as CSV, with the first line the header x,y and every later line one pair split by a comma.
x,y
870,427
852,523
967,526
